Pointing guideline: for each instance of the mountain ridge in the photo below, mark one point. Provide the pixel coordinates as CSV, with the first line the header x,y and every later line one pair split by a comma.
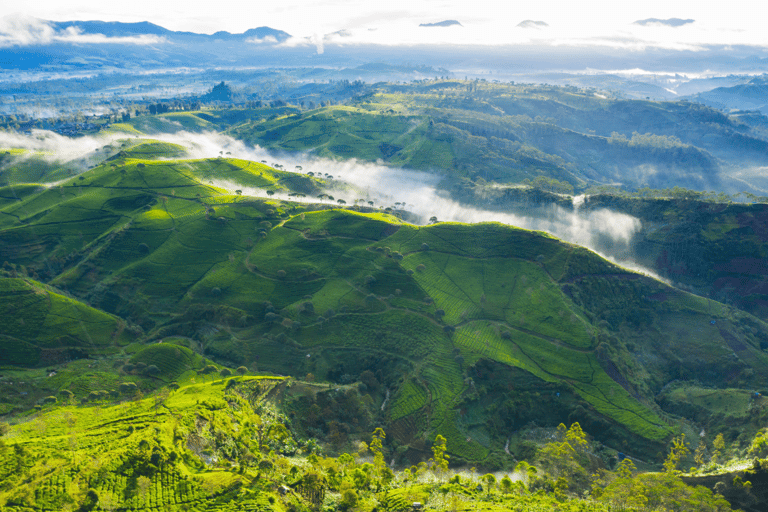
x,y
120,29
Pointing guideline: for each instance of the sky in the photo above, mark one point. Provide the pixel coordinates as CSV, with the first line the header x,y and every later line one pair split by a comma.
x,y
570,22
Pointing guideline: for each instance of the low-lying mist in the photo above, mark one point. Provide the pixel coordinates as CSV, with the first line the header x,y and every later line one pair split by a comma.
x,y
609,233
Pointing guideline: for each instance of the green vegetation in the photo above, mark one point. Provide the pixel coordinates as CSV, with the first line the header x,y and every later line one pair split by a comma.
x,y
128,291
40,326
555,138
469,332
272,285
227,445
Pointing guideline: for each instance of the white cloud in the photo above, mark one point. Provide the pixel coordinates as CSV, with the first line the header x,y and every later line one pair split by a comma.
x,y
22,30
262,40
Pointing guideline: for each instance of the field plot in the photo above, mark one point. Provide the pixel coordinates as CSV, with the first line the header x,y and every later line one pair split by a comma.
x,y
172,361
35,318
481,339
409,398
505,289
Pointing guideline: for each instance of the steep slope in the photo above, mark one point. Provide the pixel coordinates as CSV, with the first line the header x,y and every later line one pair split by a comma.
x,y
40,326
717,250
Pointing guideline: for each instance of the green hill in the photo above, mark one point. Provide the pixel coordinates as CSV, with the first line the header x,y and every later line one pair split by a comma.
x,y
18,166
512,132
718,250
433,319
40,326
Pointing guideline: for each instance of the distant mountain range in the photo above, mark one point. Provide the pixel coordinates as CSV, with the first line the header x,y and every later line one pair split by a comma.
x,y
99,45
532,24
445,23
119,29
749,96
671,22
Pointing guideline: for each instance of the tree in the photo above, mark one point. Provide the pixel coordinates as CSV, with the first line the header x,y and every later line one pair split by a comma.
x,y
677,453
241,370
225,372
439,457
506,484
209,369
128,388
376,448
349,499
160,397
490,482
143,484
719,446
698,456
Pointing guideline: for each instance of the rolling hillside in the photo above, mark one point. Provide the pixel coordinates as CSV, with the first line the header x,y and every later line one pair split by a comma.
x,y
438,315
511,132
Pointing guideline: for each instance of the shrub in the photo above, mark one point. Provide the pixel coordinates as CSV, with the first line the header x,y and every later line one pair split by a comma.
x,y
128,388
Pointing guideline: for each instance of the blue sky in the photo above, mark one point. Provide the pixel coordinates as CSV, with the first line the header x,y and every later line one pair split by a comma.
x,y
598,22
